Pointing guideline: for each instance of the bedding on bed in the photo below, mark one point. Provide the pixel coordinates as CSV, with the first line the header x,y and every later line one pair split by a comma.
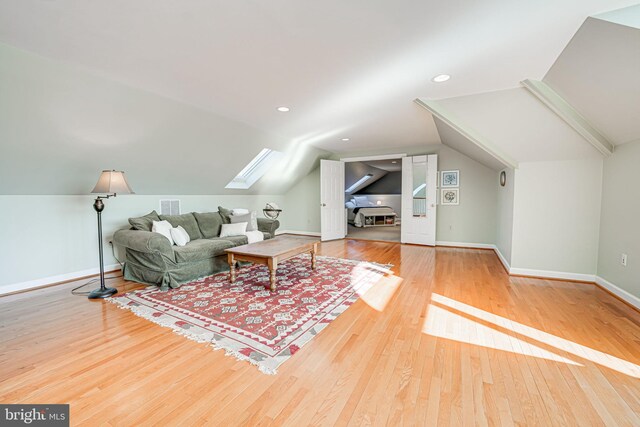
x,y
355,216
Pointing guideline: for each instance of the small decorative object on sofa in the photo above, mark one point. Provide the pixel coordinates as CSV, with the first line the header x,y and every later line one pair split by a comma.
x,y
150,257
272,211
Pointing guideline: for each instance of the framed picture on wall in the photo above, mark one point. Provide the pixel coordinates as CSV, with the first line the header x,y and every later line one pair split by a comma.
x,y
450,179
450,196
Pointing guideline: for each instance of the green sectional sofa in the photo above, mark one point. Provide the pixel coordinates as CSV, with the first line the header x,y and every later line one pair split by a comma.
x,y
151,259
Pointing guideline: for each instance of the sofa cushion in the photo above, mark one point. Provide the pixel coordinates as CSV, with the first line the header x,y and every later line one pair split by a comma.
x,y
209,223
197,250
236,240
225,214
187,221
250,219
144,223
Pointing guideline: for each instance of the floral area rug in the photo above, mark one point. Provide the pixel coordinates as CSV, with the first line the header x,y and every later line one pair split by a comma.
x,y
246,319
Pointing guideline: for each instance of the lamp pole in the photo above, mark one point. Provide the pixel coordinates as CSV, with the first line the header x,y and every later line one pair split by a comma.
x,y
103,292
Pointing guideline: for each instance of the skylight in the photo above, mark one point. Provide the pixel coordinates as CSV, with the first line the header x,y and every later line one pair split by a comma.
x,y
254,170
359,182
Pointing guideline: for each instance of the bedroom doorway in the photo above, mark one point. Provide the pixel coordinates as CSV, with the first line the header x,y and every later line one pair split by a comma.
x,y
373,198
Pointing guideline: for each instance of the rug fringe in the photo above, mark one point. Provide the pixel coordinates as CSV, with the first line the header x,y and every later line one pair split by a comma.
x,y
138,311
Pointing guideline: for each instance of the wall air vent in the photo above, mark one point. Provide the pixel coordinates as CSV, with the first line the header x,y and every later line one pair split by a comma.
x,y
170,207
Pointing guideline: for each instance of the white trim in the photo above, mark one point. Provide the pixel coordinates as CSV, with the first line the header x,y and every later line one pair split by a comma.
x,y
547,274
23,286
619,292
301,233
503,260
466,245
570,115
371,158
456,124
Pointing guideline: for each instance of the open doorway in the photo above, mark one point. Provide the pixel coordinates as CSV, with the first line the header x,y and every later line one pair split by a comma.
x,y
373,199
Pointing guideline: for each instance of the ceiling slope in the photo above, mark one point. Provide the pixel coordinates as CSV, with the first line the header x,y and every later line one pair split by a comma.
x,y
629,16
61,125
598,73
566,112
518,124
460,136
345,68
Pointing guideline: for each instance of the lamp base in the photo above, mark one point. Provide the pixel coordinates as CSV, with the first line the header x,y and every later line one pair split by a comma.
x,y
102,293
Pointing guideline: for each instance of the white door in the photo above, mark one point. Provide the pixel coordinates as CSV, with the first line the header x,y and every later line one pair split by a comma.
x,y
332,220
419,174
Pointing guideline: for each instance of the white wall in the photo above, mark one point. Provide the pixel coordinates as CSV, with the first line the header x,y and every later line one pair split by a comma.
x,y
556,217
504,226
46,236
620,224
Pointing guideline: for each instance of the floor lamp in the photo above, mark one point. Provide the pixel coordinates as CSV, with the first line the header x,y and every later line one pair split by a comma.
x,y
110,184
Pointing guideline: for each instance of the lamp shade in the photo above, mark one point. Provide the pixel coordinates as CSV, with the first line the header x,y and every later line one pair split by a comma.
x,y
112,182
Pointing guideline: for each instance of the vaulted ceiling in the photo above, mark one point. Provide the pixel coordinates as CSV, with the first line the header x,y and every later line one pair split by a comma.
x,y
171,89
346,69
597,75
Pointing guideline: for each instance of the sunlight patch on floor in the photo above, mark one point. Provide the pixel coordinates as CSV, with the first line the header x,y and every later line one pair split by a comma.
x,y
571,347
444,324
375,284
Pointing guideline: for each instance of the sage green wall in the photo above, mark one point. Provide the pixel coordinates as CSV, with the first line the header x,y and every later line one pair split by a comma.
x,y
48,236
473,221
60,125
301,209
620,221
504,220
556,218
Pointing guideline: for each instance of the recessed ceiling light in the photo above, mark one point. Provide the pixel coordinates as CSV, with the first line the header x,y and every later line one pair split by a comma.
x,y
394,161
283,109
441,78
345,139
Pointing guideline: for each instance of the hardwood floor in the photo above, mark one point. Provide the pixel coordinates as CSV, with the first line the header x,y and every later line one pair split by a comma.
x,y
450,339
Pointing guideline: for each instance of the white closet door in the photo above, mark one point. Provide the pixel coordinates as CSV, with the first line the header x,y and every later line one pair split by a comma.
x,y
332,213
419,175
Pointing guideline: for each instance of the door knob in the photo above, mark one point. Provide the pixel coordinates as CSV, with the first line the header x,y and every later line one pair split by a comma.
x,y
323,205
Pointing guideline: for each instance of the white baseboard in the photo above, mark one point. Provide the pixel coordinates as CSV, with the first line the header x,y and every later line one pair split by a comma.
x,y
23,286
502,259
619,292
301,233
466,245
547,274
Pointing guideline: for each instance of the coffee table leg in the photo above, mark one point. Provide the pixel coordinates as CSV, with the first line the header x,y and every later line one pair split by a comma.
x,y
273,266
232,268
313,256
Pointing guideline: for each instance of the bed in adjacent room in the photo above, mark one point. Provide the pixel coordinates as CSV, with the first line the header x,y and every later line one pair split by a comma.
x,y
362,213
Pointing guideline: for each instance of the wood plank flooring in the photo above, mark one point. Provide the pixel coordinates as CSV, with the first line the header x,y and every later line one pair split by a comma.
x,y
449,339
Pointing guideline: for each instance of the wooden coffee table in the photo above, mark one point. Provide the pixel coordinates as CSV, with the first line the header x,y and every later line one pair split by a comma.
x,y
271,252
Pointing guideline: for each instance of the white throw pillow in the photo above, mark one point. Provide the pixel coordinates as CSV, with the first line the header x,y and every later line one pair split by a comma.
x,y
180,236
164,228
350,205
229,230
239,211
361,200
250,218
